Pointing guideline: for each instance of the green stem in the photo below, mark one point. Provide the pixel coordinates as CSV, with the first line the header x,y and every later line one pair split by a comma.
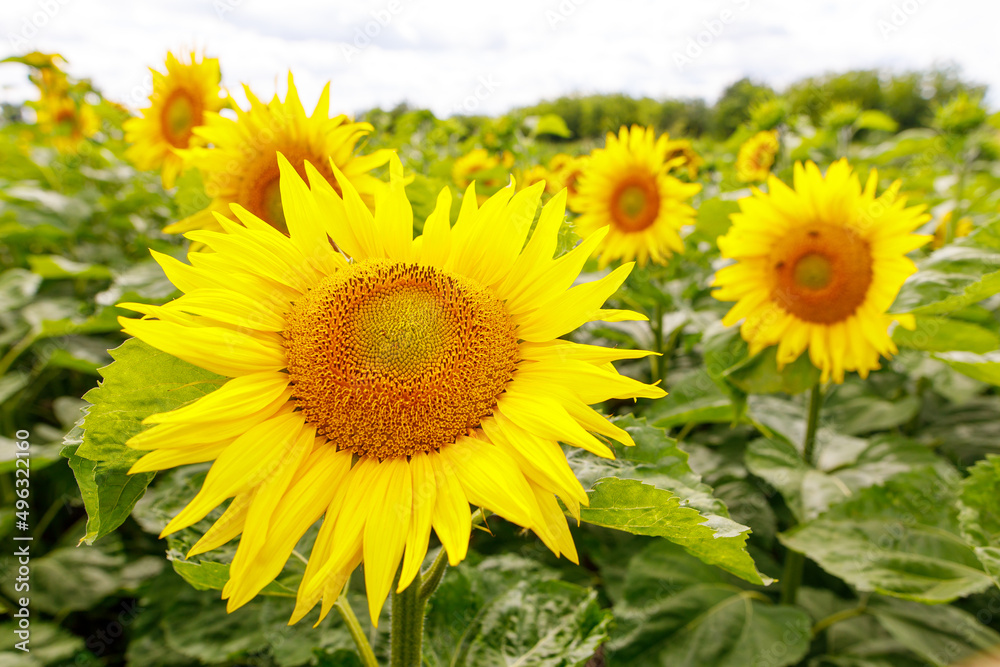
x,y
795,561
949,232
354,627
433,576
407,626
844,615
657,360
809,443
15,352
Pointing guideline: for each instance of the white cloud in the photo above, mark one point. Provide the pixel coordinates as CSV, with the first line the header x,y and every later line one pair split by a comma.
x,y
436,53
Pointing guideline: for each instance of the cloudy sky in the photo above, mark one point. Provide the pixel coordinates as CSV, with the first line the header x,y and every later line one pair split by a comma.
x,y
452,56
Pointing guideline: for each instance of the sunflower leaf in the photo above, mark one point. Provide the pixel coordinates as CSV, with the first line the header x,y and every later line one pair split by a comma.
x,y
101,460
982,367
979,513
678,611
901,539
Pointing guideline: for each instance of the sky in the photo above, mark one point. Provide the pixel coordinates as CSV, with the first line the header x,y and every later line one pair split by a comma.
x,y
467,57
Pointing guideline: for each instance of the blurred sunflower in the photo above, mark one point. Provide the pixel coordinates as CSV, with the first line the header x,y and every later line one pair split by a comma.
x,y
241,166
489,171
962,228
627,187
690,160
179,103
525,178
390,390
756,157
65,122
567,171
818,266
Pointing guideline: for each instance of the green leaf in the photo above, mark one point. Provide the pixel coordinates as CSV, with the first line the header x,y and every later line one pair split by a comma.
x,y
553,124
508,610
979,513
713,219
872,119
901,539
206,575
950,279
759,374
17,287
942,334
679,612
650,489
942,635
982,367
810,491
118,405
56,267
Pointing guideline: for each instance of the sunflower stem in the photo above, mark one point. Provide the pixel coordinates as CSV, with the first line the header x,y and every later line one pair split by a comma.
x,y
354,627
794,560
432,578
407,626
657,360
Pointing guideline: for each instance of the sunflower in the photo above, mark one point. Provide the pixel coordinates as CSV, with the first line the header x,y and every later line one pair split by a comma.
x,y
691,161
490,171
963,227
65,122
627,186
756,156
180,100
389,390
241,166
567,171
819,266
525,178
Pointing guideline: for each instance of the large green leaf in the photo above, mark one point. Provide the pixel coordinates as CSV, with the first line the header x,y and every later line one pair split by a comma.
x,y
141,381
982,367
979,513
677,611
900,539
950,279
650,489
943,334
809,491
508,610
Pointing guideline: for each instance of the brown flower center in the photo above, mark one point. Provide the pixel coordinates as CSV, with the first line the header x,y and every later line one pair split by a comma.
x,y
821,273
181,114
390,360
635,203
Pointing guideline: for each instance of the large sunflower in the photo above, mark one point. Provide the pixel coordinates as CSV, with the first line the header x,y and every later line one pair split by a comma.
x,y
240,167
389,390
819,266
180,100
626,187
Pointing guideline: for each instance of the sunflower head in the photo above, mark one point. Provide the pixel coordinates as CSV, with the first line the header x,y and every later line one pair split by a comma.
x,y
818,267
756,157
626,187
182,97
963,227
241,166
66,122
567,170
681,154
384,381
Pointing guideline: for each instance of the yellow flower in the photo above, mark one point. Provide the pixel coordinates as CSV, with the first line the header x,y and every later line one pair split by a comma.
x,y
819,266
389,390
627,186
241,166
756,156
567,171
179,103
962,228
65,122
689,159
489,171
525,178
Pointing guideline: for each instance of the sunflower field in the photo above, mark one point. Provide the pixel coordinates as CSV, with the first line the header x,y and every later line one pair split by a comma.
x,y
601,381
